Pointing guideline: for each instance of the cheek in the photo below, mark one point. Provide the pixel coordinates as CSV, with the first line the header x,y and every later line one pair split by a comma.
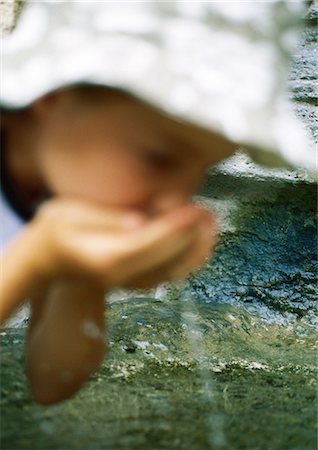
x,y
118,185
102,178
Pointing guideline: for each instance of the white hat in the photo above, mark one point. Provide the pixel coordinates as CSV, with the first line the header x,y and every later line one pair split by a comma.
x,y
222,65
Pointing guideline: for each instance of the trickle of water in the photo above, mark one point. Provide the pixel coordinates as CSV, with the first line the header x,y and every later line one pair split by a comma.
x,y
191,319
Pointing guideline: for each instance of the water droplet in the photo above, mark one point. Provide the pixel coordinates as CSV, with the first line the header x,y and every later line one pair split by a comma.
x,y
92,330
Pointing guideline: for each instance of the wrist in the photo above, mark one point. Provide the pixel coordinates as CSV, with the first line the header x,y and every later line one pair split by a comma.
x,y
37,245
20,271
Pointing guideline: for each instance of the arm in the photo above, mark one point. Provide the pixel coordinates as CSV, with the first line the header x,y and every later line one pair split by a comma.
x,y
66,339
20,274
67,258
109,248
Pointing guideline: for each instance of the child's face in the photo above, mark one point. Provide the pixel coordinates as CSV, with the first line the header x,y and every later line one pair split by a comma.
x,y
120,153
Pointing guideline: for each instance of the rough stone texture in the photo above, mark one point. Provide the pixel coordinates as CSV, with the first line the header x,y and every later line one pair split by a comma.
x,y
224,361
267,256
303,77
9,14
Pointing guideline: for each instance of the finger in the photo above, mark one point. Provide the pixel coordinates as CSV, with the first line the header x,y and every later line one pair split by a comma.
x,y
187,261
100,219
83,214
151,278
174,222
150,247
199,252
150,258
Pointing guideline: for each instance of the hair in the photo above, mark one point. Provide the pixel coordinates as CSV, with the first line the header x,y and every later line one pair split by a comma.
x,y
95,92
83,90
9,109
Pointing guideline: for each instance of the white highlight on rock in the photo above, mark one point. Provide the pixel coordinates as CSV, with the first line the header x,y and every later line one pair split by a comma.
x,y
256,365
142,344
161,346
231,317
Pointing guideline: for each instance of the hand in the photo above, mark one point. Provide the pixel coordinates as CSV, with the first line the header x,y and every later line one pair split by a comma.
x,y
120,248
190,260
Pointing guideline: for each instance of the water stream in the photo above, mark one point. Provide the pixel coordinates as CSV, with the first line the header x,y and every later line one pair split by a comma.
x,y
189,316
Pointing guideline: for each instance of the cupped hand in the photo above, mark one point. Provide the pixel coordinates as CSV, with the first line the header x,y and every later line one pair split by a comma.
x,y
121,247
204,240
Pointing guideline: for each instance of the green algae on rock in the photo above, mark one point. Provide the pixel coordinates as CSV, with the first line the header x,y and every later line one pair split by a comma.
x,y
148,393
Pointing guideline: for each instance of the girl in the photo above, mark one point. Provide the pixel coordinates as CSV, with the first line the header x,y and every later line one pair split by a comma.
x,y
114,177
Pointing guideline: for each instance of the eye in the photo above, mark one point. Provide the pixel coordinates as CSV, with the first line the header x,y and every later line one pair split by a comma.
x,y
160,160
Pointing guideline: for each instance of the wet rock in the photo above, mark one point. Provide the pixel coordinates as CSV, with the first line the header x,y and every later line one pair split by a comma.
x,y
130,347
305,91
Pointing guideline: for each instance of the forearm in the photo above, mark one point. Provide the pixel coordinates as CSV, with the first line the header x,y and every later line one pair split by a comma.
x,y
19,272
66,342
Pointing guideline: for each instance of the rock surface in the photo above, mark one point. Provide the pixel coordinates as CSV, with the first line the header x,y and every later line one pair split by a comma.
x,y
9,13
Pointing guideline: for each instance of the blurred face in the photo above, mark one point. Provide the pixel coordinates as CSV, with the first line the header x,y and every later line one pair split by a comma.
x,y
118,152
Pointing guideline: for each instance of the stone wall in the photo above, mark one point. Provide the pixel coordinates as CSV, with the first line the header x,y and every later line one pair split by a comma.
x,y
9,13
